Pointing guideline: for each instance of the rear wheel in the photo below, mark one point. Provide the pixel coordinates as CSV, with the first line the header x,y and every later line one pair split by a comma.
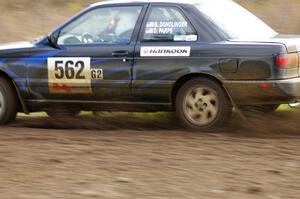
x,y
8,101
202,104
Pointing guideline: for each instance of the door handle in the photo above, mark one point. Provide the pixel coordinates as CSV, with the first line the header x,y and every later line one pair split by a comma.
x,y
122,53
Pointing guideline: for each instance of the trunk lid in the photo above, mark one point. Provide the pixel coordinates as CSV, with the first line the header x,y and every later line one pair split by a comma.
x,y
292,42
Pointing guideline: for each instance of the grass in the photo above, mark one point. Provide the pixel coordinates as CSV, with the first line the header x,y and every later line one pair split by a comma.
x,y
287,108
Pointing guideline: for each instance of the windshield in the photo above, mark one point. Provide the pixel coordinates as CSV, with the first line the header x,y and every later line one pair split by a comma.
x,y
235,20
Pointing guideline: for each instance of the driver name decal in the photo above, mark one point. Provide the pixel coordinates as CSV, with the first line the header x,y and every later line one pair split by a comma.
x,y
71,75
164,27
165,51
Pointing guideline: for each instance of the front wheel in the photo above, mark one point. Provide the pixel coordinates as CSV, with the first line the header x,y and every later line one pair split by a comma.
x,y
202,104
8,101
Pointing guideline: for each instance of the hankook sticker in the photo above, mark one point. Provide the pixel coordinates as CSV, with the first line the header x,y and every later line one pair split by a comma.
x,y
71,75
165,51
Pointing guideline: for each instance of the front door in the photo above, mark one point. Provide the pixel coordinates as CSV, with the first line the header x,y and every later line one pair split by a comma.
x,y
95,57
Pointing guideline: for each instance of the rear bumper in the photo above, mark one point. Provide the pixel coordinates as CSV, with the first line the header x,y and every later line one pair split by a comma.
x,y
274,91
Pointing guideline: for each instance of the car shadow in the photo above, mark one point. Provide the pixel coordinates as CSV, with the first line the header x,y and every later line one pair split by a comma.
x,y
105,121
279,124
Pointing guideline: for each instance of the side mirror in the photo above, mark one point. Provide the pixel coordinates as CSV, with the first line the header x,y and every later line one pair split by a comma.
x,y
53,37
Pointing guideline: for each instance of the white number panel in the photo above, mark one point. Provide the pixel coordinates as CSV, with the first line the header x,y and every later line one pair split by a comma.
x,y
70,75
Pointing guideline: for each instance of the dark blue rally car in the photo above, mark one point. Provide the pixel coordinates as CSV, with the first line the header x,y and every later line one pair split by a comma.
x,y
197,58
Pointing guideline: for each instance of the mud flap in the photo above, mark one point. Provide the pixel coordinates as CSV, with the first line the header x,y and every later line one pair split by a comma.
x,y
22,102
236,108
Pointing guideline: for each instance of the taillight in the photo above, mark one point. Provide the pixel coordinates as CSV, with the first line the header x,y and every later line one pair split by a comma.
x,y
287,61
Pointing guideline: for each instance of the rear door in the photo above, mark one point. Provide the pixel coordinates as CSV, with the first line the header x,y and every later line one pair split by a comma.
x,y
162,51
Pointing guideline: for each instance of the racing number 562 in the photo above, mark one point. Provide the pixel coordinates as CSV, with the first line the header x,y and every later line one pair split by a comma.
x,y
69,70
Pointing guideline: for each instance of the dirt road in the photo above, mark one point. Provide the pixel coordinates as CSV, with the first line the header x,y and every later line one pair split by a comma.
x,y
124,156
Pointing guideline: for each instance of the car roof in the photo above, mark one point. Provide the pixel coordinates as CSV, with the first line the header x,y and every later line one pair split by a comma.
x,y
156,1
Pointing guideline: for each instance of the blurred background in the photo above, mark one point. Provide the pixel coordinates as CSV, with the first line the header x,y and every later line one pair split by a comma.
x,y
28,19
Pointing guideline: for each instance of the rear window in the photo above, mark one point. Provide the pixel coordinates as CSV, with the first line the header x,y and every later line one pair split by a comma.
x,y
235,20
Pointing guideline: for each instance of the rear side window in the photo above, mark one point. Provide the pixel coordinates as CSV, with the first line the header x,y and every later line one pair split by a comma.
x,y
168,24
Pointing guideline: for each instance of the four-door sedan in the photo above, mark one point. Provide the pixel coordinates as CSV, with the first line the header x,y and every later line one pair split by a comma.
x,y
199,59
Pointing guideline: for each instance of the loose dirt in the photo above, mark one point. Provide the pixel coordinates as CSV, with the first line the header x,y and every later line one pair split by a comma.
x,y
128,156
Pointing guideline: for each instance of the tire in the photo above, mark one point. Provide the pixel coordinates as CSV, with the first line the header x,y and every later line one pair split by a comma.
x,y
8,101
267,109
202,104
62,113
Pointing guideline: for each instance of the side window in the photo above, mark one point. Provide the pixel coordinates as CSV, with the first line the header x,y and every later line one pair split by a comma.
x,y
111,25
168,24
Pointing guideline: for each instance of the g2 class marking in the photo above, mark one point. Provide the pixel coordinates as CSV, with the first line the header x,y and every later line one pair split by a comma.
x,y
97,73
165,51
